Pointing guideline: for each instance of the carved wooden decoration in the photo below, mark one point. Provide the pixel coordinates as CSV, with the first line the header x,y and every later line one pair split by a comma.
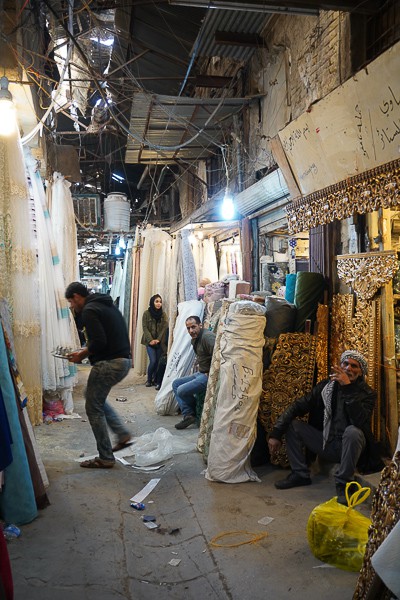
x,y
289,376
366,273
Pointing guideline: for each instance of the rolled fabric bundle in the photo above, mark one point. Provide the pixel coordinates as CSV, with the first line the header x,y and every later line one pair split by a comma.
x,y
235,420
308,292
214,291
290,287
281,316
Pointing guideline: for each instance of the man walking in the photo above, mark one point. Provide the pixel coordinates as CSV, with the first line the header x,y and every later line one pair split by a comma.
x,y
185,388
108,350
338,427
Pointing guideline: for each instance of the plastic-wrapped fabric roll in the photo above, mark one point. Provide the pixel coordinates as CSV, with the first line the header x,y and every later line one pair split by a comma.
x,y
235,419
308,292
290,287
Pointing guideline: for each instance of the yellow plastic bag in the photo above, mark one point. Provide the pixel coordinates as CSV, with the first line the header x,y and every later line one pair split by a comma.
x,y
338,534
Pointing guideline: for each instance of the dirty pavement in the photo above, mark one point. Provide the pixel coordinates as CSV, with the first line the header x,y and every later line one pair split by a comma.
x,y
91,544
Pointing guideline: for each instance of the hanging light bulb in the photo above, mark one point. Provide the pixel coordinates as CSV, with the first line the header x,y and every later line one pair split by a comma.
x,y
227,208
7,112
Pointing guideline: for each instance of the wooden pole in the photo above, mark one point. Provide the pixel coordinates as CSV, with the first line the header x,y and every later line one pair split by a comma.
x,y
388,345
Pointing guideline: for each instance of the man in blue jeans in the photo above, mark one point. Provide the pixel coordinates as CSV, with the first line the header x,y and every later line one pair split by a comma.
x,y
109,353
185,388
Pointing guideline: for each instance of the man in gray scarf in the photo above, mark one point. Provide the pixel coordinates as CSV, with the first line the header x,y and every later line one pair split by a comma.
x,y
339,413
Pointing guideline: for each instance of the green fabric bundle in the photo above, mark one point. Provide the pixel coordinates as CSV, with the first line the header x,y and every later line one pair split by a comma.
x,y
308,292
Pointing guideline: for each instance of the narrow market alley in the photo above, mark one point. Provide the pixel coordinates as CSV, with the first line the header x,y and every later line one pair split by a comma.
x,y
90,544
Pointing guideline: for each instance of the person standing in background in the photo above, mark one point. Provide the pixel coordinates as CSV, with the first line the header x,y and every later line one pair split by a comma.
x,y
155,328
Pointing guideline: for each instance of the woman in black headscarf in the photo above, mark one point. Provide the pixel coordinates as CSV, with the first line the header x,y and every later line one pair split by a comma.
x,y
155,329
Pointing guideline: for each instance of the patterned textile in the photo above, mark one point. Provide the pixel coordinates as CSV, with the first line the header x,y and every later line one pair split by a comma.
x,y
385,515
188,268
134,294
18,482
18,268
207,417
327,395
214,291
289,376
64,227
56,321
125,301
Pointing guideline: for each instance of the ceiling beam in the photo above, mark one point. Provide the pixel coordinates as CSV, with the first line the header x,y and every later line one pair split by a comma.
x,y
232,38
300,7
212,81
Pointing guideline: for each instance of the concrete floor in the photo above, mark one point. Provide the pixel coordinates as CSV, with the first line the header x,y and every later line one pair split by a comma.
x,y
89,544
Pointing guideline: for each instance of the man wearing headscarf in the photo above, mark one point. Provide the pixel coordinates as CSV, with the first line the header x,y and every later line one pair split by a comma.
x,y
338,428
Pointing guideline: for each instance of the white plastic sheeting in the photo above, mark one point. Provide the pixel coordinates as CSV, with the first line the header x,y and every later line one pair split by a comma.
x,y
180,357
235,420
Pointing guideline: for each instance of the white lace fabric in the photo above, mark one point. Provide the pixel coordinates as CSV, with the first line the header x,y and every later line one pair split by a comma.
x,y
18,269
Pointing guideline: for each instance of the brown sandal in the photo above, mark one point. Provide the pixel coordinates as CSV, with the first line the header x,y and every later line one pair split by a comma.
x,y
97,463
122,445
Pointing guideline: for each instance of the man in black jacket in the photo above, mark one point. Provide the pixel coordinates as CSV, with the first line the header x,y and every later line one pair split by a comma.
x,y
338,427
108,350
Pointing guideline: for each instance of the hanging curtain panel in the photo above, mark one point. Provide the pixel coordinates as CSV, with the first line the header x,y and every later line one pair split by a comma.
x,y
18,268
154,273
56,321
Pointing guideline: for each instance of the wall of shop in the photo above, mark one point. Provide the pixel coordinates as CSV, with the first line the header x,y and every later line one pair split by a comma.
x,y
287,74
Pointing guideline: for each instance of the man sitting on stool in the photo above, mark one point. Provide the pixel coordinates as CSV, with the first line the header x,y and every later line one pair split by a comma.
x,y
338,427
185,388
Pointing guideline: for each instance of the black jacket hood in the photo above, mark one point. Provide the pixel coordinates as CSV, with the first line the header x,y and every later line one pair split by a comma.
x,y
101,298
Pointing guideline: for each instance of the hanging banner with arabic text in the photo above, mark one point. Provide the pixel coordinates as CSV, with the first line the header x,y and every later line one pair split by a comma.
x,y
353,129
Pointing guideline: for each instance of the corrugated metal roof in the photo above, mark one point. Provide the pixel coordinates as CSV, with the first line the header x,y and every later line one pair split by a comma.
x,y
227,21
166,122
265,192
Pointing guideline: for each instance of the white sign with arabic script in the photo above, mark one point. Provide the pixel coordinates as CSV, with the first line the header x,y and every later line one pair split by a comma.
x,y
353,129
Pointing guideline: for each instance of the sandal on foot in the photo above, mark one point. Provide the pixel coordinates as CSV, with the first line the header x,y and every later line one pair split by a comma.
x,y
97,463
122,445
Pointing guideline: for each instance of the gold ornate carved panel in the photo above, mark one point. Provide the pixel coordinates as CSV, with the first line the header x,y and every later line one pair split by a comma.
x,y
385,515
358,327
322,341
289,376
366,273
363,193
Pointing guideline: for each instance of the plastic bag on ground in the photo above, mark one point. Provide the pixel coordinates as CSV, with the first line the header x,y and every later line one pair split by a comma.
x,y
338,534
160,445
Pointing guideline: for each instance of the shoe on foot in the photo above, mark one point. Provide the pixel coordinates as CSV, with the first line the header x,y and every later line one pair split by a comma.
x,y
123,443
186,422
291,481
148,384
341,492
157,387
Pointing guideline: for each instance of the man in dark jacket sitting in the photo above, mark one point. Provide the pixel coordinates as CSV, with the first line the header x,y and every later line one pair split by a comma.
x,y
185,388
338,427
